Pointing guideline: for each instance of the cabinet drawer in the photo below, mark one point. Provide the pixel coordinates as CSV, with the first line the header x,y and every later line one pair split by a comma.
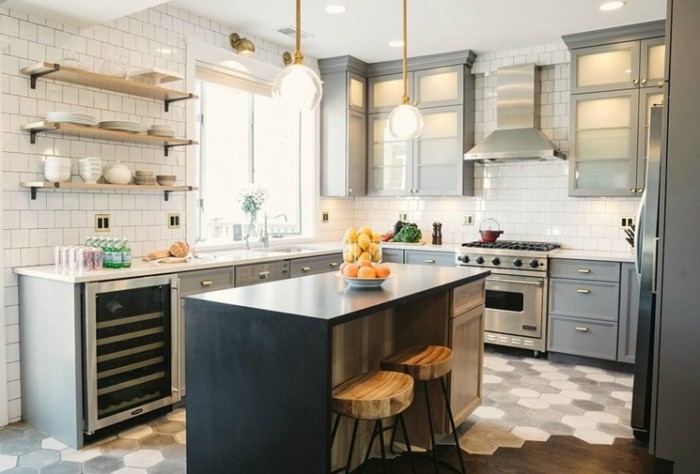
x,y
468,296
580,298
421,257
583,337
261,272
392,255
311,265
192,283
584,269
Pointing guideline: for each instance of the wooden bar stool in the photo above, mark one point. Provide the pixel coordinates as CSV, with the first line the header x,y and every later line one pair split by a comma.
x,y
425,363
372,396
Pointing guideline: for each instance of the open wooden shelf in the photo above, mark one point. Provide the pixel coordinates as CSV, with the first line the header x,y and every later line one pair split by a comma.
x,y
101,81
94,132
34,185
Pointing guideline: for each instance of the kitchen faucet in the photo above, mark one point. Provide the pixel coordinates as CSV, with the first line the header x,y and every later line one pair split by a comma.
x,y
264,235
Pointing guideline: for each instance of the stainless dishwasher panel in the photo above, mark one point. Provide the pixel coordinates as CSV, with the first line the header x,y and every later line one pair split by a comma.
x,y
130,329
261,272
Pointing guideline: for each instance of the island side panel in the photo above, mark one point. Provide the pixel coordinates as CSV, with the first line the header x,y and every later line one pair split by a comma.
x,y
51,355
258,391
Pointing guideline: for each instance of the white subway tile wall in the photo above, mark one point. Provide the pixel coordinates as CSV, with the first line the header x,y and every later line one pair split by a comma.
x,y
150,38
529,199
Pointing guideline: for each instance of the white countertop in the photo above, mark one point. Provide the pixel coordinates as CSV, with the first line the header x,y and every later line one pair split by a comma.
x,y
624,257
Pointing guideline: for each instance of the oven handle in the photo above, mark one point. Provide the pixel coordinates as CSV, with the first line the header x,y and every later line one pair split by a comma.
x,y
518,282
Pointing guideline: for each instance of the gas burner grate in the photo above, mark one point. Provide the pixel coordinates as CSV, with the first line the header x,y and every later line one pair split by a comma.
x,y
514,245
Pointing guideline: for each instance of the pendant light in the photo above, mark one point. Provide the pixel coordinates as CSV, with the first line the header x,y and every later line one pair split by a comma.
x,y
405,121
297,85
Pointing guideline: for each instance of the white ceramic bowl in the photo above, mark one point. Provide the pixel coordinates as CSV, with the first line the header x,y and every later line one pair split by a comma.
x,y
58,161
118,174
60,176
89,177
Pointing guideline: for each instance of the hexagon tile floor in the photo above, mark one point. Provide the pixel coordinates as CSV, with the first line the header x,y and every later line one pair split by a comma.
x,y
525,399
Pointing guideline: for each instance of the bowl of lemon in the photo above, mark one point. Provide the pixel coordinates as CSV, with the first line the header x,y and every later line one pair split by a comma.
x,y
362,256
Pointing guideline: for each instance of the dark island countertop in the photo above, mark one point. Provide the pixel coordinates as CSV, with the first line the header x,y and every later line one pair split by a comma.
x,y
327,296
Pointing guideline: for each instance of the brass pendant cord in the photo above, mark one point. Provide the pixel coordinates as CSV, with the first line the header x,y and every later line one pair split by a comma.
x,y
405,99
298,57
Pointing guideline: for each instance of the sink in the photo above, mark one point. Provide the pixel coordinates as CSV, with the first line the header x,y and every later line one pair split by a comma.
x,y
283,249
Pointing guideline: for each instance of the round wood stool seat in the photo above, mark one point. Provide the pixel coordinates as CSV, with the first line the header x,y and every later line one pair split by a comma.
x,y
421,362
373,395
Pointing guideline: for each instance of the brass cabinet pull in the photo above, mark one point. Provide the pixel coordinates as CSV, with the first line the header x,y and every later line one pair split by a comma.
x,y
582,328
584,270
305,269
583,291
349,190
429,260
632,190
264,274
334,264
635,82
206,282
644,81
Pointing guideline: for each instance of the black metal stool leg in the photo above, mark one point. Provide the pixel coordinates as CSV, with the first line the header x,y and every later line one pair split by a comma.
x,y
430,423
452,424
352,446
369,447
380,432
408,442
335,428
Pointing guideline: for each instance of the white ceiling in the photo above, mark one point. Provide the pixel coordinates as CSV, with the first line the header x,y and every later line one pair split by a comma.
x,y
434,26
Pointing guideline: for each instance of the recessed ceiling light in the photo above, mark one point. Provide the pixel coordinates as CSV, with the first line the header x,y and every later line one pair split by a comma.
x,y
609,6
335,9
396,43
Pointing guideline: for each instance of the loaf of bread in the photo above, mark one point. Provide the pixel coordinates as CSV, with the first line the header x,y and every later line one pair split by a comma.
x,y
158,254
179,248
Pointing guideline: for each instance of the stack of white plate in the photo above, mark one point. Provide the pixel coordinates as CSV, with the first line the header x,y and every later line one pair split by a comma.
x,y
121,125
161,130
70,117
144,178
90,169
57,168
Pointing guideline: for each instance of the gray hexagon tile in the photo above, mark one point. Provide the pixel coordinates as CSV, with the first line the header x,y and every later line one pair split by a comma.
x,y
524,399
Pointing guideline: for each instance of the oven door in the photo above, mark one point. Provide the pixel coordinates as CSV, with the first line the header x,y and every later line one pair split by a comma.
x,y
514,305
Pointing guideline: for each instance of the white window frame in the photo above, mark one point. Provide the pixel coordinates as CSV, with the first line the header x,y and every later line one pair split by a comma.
x,y
199,52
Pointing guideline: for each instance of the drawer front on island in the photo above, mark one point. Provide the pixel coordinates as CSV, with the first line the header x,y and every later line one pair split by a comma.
x,y
310,265
583,337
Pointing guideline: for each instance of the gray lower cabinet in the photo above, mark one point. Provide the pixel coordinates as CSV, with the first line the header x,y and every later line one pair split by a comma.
x,y
194,283
592,309
429,257
310,265
392,255
254,273
629,313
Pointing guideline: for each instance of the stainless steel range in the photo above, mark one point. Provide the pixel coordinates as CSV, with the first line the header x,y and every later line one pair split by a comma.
x,y
516,290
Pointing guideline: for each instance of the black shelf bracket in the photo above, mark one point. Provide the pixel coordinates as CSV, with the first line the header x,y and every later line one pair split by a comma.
x,y
166,195
32,137
33,193
167,148
168,101
37,75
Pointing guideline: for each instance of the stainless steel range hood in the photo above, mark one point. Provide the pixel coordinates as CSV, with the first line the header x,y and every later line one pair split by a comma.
x,y
517,135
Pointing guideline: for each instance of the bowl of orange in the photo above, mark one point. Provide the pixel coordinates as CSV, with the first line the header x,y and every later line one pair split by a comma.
x,y
364,273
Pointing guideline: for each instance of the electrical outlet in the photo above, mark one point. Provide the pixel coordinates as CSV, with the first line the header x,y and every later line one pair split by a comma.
x,y
626,221
324,217
468,219
403,216
174,220
102,222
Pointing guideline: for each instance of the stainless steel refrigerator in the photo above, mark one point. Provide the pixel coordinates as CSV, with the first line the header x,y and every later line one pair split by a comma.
x,y
646,246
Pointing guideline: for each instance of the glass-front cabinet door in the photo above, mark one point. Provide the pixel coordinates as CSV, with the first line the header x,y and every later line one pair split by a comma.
x,y
439,157
652,62
604,161
604,68
438,87
391,162
385,92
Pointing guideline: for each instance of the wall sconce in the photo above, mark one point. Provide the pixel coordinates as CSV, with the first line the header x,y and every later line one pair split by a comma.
x,y
243,46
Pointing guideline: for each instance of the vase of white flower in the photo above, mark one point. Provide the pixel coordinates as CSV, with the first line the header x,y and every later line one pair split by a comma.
x,y
252,197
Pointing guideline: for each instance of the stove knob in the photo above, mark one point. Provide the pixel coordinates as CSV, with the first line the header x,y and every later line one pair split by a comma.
x,y
479,260
534,263
496,261
464,258
517,262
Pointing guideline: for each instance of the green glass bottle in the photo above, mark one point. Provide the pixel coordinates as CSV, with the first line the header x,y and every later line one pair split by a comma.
x,y
126,254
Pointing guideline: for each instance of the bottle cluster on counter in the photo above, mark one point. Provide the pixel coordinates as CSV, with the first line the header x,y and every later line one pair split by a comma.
x,y
96,254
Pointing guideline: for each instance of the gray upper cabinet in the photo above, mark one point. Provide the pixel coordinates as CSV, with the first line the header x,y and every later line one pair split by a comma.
x,y
442,87
343,127
616,76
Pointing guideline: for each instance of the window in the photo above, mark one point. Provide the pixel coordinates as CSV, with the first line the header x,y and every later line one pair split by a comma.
x,y
247,137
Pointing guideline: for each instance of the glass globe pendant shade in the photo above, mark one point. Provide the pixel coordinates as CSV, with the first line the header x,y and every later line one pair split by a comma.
x,y
405,122
299,87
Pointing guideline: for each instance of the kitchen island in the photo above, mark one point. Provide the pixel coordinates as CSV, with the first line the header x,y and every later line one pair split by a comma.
x,y
261,361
